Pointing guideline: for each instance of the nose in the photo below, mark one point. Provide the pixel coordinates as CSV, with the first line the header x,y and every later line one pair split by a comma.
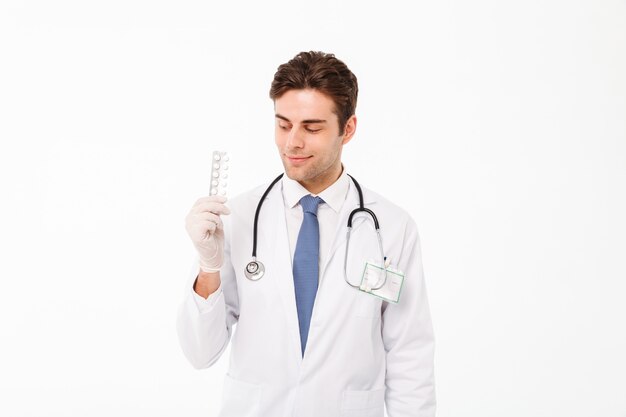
x,y
295,139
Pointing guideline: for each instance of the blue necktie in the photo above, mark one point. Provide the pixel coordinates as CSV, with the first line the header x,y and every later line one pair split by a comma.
x,y
306,265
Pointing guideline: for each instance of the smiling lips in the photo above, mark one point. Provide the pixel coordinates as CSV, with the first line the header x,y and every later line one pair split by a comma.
x,y
297,159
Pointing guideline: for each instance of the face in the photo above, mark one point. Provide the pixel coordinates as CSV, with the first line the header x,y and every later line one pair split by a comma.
x,y
308,138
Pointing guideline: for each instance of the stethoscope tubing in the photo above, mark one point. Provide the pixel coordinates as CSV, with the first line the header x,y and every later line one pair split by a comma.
x,y
258,210
255,269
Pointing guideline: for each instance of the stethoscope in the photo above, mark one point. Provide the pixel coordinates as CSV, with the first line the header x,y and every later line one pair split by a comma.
x,y
255,268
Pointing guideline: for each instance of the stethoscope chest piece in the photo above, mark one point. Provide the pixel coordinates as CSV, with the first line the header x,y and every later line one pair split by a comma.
x,y
254,270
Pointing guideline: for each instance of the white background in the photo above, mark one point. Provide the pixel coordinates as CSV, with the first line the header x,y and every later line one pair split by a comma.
x,y
500,126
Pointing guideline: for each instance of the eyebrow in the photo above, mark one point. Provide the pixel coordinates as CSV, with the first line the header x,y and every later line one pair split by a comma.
x,y
307,121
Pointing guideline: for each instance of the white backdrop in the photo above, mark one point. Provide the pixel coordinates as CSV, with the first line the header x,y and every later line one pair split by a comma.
x,y
500,126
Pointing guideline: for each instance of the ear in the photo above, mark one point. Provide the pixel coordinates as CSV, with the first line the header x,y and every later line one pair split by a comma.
x,y
349,130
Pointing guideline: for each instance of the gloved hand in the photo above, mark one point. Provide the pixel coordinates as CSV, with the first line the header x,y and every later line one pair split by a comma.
x,y
204,226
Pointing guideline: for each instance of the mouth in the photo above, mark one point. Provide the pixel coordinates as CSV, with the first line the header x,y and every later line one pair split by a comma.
x,y
297,159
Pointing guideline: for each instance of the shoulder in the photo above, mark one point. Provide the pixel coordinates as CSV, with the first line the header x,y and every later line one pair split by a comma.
x,y
251,197
383,203
253,193
397,227
242,209
390,214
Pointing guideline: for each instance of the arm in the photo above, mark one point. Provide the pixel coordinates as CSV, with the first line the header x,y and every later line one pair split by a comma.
x,y
409,341
209,310
207,283
205,325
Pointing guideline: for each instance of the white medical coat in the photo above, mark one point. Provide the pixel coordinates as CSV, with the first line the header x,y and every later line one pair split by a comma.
x,y
362,353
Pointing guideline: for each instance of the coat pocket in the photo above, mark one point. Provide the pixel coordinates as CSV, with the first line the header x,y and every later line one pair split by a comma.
x,y
367,305
363,403
240,399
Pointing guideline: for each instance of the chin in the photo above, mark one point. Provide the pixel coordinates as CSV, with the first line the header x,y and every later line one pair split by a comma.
x,y
297,174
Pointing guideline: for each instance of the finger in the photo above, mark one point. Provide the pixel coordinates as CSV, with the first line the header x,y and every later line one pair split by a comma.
x,y
208,226
211,207
212,199
210,217
216,208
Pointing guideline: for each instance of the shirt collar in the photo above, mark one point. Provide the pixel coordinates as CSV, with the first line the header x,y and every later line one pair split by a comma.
x,y
334,195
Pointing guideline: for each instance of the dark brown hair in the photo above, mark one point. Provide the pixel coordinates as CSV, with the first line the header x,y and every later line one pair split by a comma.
x,y
323,72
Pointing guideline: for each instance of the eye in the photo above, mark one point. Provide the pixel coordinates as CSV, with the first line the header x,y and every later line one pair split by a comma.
x,y
312,130
283,127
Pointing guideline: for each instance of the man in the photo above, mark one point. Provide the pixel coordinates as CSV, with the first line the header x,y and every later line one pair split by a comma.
x,y
307,343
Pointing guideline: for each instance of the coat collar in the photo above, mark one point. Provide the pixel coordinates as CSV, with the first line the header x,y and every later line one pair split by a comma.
x,y
351,196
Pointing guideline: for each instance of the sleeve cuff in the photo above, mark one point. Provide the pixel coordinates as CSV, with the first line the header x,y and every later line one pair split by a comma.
x,y
206,304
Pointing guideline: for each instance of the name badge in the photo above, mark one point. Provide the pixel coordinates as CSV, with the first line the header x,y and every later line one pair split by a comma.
x,y
385,283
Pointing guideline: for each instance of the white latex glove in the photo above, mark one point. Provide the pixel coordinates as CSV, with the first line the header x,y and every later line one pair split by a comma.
x,y
206,230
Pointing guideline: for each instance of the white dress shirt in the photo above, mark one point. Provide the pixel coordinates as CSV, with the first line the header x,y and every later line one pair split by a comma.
x,y
327,212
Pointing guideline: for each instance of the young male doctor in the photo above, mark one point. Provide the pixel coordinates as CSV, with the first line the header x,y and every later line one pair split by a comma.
x,y
308,343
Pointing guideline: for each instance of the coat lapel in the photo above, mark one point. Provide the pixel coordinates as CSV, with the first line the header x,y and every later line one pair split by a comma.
x,y
275,245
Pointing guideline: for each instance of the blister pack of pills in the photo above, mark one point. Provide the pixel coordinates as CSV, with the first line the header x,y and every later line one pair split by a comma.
x,y
219,173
